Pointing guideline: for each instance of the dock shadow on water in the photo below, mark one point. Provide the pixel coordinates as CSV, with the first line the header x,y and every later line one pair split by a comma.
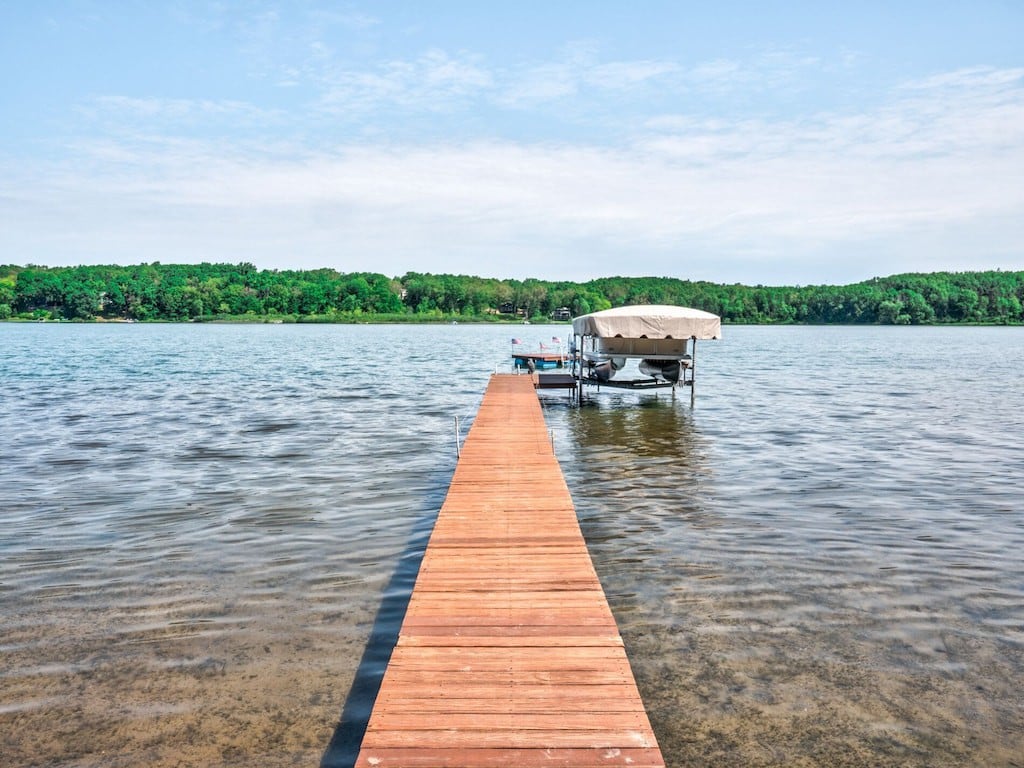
x,y
343,748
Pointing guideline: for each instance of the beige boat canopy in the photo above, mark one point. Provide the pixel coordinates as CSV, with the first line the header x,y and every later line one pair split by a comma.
x,y
650,321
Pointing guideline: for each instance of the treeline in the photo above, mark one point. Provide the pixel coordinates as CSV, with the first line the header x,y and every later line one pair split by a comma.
x,y
199,292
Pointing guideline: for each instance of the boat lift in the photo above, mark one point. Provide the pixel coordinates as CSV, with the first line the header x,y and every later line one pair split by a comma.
x,y
662,338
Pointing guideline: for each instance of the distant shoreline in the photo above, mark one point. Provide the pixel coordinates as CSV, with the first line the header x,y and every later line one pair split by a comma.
x,y
232,293
469,321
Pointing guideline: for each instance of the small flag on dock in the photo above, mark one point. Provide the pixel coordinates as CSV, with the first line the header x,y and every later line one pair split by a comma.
x,y
556,340
517,341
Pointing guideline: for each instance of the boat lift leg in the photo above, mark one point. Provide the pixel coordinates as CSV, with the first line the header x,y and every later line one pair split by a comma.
x,y
693,372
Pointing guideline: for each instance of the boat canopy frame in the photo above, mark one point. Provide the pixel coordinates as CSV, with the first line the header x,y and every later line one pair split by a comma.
x,y
650,332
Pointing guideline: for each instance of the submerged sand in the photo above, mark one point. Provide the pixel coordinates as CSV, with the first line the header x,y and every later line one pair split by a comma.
x,y
186,695
84,690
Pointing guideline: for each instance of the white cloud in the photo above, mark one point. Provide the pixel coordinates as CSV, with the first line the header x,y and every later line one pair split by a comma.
x,y
538,85
932,179
717,72
619,75
984,78
773,69
351,19
578,70
434,82
169,112
440,80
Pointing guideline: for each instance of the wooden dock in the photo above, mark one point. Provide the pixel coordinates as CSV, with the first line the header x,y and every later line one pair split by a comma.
x,y
509,654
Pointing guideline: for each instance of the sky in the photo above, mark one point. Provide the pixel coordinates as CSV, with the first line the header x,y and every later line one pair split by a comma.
x,y
737,142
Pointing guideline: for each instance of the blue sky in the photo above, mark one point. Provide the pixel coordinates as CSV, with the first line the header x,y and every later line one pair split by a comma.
x,y
774,143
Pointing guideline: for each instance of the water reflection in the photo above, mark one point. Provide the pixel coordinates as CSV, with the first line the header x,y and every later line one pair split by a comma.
x,y
645,451
650,425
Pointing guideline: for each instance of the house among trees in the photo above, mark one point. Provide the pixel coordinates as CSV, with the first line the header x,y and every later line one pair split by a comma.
x,y
562,313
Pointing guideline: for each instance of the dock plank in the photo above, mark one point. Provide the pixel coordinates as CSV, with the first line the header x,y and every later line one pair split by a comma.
x,y
508,654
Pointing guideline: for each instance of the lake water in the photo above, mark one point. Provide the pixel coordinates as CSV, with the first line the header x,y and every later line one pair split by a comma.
x,y
208,533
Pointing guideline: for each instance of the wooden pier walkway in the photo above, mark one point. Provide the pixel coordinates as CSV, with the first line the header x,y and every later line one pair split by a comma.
x,y
509,654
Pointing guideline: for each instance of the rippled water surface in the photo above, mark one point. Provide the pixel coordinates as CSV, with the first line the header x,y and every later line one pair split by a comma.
x,y
208,531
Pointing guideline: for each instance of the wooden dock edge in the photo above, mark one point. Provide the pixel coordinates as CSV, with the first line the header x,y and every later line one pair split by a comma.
x,y
508,654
